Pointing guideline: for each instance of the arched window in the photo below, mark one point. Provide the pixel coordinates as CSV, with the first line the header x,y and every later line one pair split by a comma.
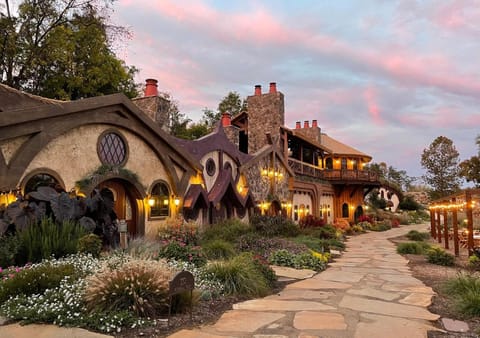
x,y
159,200
345,210
42,180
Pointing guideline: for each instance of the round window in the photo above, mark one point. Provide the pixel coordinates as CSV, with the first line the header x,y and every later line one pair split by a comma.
x,y
112,149
210,167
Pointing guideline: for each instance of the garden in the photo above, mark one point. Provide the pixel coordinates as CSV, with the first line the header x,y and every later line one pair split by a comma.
x,y
455,280
55,269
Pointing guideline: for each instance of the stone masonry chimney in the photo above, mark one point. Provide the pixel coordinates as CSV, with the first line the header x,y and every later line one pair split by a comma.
x,y
155,106
314,132
266,114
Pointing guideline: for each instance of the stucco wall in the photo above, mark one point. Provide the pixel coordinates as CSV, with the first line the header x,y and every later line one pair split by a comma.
x,y
10,146
73,155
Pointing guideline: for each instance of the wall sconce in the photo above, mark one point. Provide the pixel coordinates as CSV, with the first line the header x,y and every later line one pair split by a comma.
x,y
151,201
165,202
295,209
176,201
307,211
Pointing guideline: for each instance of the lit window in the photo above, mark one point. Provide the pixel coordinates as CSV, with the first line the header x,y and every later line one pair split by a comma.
x,y
159,200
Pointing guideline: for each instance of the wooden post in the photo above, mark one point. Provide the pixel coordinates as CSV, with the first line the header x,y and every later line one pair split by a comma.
x,y
455,227
439,227
445,227
433,231
468,199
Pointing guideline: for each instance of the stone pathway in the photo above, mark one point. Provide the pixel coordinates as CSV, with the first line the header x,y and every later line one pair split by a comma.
x,y
369,292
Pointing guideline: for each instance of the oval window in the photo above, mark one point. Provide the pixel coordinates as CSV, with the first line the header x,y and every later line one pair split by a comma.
x,y
210,167
112,149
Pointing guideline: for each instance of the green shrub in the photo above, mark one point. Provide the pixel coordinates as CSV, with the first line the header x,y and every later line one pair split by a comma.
x,y
90,244
320,245
9,246
358,228
439,256
415,235
239,276
264,268
41,241
465,293
410,248
181,252
298,261
35,280
332,243
325,232
381,226
274,226
140,286
229,230
218,249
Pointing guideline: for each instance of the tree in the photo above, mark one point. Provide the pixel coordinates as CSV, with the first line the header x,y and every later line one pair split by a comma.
x,y
210,118
178,122
62,49
470,169
232,104
441,161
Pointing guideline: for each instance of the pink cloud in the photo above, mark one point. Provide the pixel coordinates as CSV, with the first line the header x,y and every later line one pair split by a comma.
x,y
370,95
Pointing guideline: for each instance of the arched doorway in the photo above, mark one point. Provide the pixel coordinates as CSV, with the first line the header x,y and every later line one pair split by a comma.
x,y
358,213
128,204
345,210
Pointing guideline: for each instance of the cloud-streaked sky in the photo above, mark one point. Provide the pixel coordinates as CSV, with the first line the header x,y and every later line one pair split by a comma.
x,y
386,77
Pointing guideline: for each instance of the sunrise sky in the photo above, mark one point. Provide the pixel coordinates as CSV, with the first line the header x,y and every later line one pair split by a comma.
x,y
386,77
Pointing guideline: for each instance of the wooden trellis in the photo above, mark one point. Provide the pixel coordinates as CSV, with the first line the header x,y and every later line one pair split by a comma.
x,y
467,202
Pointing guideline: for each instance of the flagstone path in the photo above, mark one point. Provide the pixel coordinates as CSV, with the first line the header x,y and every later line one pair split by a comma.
x,y
368,292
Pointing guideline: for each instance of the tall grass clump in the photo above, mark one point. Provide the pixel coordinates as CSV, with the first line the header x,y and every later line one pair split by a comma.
x,y
9,246
46,239
143,248
240,276
140,286
228,230
218,249
465,293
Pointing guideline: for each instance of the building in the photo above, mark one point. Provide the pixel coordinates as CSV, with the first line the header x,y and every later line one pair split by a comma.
x,y
250,163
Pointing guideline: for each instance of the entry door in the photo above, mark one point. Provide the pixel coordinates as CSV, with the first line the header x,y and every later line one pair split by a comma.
x,y
123,205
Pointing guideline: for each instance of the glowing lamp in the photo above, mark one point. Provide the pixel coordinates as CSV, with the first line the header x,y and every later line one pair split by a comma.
x,y
151,202
176,201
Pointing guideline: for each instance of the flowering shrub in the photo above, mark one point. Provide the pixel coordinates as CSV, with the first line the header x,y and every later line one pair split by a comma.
x,y
264,246
365,225
311,221
395,223
306,260
180,231
358,228
365,218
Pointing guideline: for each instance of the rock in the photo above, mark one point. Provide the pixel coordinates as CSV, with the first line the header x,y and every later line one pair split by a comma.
x,y
454,325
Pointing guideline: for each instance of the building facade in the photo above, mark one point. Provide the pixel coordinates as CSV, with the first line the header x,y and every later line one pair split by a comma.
x,y
250,163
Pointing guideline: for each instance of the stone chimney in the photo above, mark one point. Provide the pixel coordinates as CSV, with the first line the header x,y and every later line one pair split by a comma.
x,y
306,124
314,132
298,125
156,107
266,114
226,119
151,87
273,87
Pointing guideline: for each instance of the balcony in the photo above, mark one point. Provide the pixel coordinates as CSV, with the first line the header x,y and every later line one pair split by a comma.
x,y
332,175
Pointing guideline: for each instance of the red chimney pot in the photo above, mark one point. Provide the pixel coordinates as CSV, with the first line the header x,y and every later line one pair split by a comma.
x,y
298,125
306,124
273,87
258,90
226,119
151,87
314,124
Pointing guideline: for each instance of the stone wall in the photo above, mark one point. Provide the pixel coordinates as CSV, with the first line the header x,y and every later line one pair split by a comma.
x,y
232,134
266,114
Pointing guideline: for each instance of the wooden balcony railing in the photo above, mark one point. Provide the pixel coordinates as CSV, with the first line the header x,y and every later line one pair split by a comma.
x,y
301,168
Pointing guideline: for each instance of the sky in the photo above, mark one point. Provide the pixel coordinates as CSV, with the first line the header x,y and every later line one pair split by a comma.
x,y
385,77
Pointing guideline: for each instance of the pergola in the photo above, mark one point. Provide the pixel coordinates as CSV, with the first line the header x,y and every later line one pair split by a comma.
x,y
464,202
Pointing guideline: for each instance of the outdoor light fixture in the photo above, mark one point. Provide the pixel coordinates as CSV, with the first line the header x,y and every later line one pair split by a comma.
x,y
165,202
176,201
151,201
